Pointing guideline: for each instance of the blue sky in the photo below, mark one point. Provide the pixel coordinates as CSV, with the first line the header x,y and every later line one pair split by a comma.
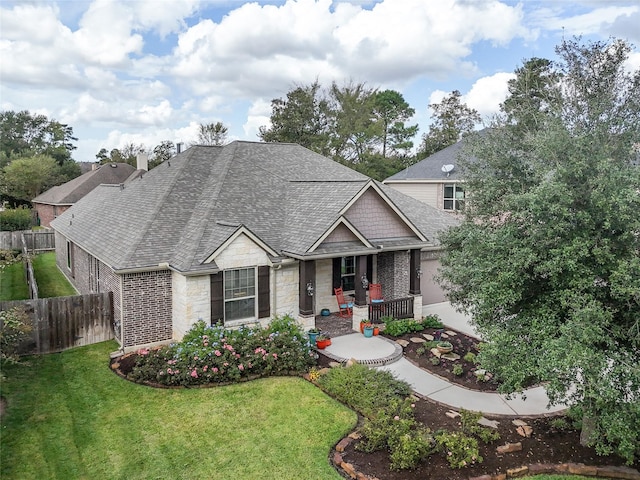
x,y
144,71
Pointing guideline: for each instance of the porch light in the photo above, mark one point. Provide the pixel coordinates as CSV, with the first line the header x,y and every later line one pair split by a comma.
x,y
310,289
419,272
365,282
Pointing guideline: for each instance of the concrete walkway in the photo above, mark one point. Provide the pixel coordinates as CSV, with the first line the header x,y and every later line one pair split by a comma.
x,y
383,353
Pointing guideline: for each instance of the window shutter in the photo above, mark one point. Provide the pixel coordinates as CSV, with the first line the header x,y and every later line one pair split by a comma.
x,y
337,274
217,298
264,293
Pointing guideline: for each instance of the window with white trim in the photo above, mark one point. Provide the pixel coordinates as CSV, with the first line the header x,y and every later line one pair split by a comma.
x,y
240,294
453,196
348,273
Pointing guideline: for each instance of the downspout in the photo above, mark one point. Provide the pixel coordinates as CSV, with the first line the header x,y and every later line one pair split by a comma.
x,y
121,313
274,284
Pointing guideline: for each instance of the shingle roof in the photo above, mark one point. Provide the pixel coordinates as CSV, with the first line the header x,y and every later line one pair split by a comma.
x,y
183,210
72,191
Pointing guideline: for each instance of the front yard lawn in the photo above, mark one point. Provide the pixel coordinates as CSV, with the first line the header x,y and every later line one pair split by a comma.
x,y
68,416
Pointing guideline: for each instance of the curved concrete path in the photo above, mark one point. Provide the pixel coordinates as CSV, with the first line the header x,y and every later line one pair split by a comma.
x,y
372,351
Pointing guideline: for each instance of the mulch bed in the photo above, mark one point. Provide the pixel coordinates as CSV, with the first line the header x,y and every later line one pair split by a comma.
x,y
546,445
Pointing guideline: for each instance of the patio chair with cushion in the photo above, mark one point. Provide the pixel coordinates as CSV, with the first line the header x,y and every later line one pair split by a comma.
x,y
345,307
375,293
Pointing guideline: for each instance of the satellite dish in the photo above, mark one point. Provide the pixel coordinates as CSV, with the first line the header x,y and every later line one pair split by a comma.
x,y
447,169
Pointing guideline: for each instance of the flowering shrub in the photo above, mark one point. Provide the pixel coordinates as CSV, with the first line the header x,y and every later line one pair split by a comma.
x,y
15,328
213,354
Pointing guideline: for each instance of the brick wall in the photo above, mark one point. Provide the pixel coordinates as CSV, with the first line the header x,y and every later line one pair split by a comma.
x,y
393,274
146,307
46,213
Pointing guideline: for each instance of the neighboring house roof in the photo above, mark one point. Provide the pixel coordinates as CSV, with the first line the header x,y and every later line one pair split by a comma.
x,y
72,191
182,211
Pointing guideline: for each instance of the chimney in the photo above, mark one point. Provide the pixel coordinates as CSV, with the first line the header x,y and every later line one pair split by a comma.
x,y
179,147
94,166
142,161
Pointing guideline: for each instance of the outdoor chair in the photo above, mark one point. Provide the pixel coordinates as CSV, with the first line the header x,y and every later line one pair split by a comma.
x,y
375,297
344,306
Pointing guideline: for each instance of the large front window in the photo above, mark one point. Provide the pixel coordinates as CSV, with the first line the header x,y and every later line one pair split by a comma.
x,y
239,294
453,196
348,273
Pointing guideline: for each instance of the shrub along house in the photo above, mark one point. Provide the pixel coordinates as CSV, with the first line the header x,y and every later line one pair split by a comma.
x,y
240,233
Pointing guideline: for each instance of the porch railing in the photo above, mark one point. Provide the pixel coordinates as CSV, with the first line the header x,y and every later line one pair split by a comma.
x,y
398,308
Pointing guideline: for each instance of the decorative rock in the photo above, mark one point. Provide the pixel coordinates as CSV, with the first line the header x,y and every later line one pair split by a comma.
x,y
337,459
355,435
403,343
351,362
582,469
452,414
481,372
451,333
342,444
509,448
115,366
540,468
444,336
524,431
335,364
349,469
417,340
626,473
451,356
436,352
428,337
482,477
485,422
517,422
517,472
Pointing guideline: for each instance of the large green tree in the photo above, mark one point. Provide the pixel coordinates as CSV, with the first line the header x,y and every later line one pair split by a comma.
x,y
27,177
23,134
547,258
452,119
127,154
212,133
392,112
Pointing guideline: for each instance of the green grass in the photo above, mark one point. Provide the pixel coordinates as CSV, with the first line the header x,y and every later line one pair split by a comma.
x,y
51,282
69,416
13,283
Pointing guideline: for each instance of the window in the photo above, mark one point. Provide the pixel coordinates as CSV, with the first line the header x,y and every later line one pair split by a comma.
x,y
239,294
348,273
453,196
69,262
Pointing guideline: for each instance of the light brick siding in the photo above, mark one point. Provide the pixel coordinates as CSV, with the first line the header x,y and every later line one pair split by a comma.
x,y
393,274
375,219
146,307
46,213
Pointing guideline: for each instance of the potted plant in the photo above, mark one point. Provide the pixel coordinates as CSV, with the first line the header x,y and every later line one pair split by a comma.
x,y
368,330
323,340
376,330
313,333
444,347
363,322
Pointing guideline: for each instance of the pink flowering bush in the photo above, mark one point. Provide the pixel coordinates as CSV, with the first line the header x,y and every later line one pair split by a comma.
x,y
213,354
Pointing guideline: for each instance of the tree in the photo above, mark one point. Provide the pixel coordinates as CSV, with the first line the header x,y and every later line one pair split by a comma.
x,y
451,120
23,134
212,134
127,154
547,259
26,178
392,111
162,153
304,117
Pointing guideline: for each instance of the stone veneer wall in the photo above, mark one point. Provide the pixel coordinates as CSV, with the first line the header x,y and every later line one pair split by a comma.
x,y
191,302
146,307
393,274
284,290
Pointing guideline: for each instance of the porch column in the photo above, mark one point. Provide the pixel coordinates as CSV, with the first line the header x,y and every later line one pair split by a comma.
x,y
414,272
307,279
361,271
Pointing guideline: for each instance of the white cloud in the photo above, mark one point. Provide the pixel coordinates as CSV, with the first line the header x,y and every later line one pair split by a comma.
x,y
487,93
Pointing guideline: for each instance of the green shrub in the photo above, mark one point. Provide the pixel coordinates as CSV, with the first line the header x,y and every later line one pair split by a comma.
x,y
470,426
470,357
15,219
435,361
457,369
213,354
364,389
432,321
15,328
459,449
396,429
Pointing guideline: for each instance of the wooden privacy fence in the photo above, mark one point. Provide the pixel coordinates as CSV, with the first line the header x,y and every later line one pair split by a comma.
x,y
38,241
399,308
60,323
